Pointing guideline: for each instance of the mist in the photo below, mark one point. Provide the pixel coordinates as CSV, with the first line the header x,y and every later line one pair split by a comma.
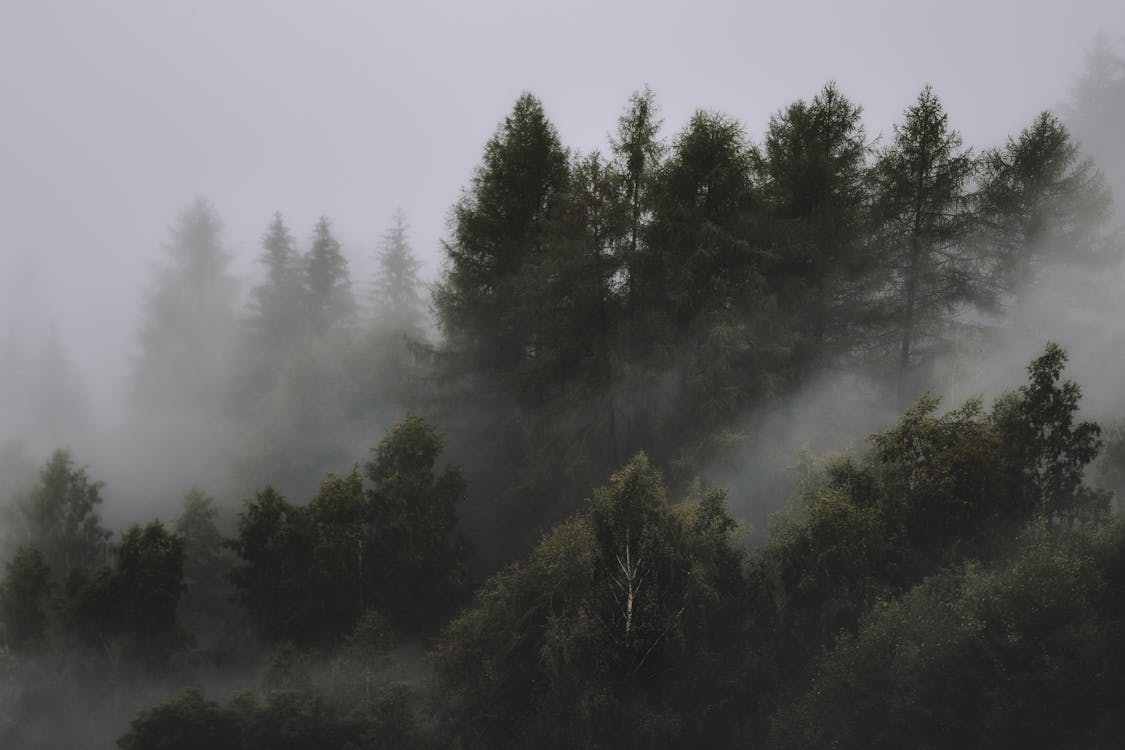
x,y
246,340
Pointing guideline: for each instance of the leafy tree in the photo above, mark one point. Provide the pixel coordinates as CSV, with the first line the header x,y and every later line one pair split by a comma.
x,y
60,518
1024,654
206,605
934,492
611,633
921,205
703,319
1040,201
340,517
144,590
1050,447
25,598
417,555
276,542
185,722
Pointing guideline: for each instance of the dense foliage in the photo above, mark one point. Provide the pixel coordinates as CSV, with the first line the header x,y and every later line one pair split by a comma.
x,y
618,316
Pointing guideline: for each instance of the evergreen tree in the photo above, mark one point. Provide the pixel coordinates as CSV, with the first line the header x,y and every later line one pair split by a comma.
x,y
327,286
397,302
488,304
187,335
277,302
1096,112
921,182
1039,201
60,518
813,171
183,376
700,320
639,152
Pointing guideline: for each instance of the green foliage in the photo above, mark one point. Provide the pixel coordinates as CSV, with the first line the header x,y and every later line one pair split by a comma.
x,y
144,590
1049,445
922,210
1025,654
60,517
328,296
486,304
1039,201
418,553
612,632
814,177
25,595
309,573
934,491
186,722
275,541
284,721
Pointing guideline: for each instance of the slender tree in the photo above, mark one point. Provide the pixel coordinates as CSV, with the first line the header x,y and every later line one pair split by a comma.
x,y
397,300
813,170
921,181
327,286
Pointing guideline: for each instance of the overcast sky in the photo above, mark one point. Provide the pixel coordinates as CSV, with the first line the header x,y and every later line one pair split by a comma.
x,y
117,112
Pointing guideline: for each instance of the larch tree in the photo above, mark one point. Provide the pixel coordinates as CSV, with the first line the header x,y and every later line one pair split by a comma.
x,y
1040,201
488,303
813,172
921,183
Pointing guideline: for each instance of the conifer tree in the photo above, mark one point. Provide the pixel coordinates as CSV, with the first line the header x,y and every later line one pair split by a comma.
x,y
813,170
488,304
1039,201
922,208
327,286
397,301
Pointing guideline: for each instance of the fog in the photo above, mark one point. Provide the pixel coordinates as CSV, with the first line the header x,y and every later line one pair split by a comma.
x,y
116,118
125,122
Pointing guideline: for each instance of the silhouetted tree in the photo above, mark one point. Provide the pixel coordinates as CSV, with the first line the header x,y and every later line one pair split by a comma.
x,y
921,182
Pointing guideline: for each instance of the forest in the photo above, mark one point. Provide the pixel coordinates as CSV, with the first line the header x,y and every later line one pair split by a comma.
x,y
550,500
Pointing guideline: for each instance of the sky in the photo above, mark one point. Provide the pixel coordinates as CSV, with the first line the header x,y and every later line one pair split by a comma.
x,y
116,113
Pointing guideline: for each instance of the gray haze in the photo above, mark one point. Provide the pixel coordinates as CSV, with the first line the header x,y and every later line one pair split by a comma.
x,y
115,114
